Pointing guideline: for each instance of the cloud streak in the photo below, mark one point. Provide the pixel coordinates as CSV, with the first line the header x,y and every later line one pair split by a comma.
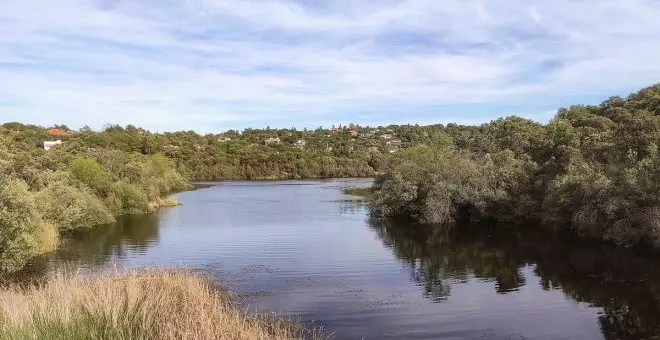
x,y
216,64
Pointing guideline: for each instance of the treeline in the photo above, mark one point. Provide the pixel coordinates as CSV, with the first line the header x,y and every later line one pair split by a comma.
x,y
250,154
44,194
593,171
344,151
242,156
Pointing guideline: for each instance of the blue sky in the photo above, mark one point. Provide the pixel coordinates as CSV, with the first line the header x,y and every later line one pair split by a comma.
x,y
211,65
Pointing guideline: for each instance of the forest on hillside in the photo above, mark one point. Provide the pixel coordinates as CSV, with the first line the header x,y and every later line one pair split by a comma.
x,y
344,151
593,171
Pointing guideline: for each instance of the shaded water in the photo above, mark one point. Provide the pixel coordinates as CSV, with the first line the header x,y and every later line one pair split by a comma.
x,y
306,249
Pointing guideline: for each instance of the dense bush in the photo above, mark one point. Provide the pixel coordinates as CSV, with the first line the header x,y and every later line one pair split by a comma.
x,y
68,207
127,199
23,233
438,185
593,170
70,187
88,171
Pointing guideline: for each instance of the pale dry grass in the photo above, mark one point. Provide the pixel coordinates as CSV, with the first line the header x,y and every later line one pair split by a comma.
x,y
164,202
155,304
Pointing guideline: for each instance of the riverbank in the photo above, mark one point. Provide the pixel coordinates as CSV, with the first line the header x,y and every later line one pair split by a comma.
x,y
155,304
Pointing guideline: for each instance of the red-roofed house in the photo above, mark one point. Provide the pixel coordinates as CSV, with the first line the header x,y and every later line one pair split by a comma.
x,y
56,132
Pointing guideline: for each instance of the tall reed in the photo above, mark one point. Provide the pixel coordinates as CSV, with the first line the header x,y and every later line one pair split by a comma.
x,y
155,304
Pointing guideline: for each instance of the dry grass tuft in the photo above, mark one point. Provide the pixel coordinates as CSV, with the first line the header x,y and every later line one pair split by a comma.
x,y
156,304
164,202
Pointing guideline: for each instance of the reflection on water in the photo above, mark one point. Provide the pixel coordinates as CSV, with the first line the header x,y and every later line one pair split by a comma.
x,y
306,249
624,284
97,247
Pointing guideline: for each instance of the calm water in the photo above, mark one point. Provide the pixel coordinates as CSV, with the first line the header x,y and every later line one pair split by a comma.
x,y
306,249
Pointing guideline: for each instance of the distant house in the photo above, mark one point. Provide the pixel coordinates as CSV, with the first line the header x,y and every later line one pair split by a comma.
x,y
335,130
300,144
56,132
224,139
272,140
386,136
393,145
49,144
353,132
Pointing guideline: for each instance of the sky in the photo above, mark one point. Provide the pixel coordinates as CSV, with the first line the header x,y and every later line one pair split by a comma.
x,y
212,65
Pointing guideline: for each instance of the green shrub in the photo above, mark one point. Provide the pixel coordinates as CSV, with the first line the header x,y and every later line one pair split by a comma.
x,y
69,208
92,174
128,199
23,233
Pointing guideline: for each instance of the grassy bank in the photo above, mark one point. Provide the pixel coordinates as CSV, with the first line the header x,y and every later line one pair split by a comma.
x,y
151,305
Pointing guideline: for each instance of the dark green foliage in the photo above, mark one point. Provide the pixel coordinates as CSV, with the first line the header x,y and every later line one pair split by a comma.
x,y
594,170
250,155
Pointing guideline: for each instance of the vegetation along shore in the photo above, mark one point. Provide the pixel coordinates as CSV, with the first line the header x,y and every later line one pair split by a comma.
x,y
593,171
47,193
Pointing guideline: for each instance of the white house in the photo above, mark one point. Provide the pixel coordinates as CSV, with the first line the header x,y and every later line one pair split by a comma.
x,y
49,144
300,144
272,140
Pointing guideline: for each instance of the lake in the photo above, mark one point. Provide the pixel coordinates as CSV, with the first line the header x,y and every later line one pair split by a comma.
x,y
307,250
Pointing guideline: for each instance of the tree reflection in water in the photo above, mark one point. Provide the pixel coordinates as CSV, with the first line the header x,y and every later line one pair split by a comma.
x,y
625,284
95,248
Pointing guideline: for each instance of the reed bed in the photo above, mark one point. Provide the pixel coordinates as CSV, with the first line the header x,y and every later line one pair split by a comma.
x,y
153,304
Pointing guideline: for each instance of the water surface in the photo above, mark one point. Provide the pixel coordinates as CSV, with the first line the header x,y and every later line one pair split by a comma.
x,y
305,249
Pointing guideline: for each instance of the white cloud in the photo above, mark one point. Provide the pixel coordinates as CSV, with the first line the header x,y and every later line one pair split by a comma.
x,y
536,16
210,64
